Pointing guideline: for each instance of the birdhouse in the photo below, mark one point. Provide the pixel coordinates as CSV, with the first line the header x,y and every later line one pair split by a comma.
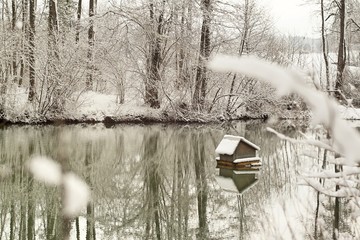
x,y
236,181
237,152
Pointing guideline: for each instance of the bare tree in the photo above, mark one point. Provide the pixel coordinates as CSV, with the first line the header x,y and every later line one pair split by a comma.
x,y
24,39
324,47
31,95
341,60
91,41
78,18
155,59
201,79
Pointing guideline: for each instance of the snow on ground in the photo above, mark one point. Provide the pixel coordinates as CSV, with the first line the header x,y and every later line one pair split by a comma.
x,y
89,105
349,113
94,105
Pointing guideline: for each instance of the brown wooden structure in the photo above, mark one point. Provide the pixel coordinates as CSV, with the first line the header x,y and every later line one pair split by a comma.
x,y
236,152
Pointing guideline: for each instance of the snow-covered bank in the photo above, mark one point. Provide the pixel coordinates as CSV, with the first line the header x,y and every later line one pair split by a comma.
x,y
95,107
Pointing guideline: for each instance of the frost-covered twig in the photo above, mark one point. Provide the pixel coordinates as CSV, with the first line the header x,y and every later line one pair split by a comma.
x,y
331,174
343,192
311,142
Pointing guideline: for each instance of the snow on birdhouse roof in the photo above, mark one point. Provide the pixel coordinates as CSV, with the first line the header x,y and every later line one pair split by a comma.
x,y
239,172
229,143
242,160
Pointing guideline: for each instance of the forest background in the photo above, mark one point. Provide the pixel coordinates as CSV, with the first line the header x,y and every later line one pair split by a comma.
x,y
147,60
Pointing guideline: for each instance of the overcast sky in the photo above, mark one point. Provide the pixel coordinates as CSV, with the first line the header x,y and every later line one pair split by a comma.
x,y
294,17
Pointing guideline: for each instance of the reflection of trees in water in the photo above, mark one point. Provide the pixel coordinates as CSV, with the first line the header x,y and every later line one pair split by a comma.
x,y
168,160
201,182
90,212
20,192
152,182
153,185
279,167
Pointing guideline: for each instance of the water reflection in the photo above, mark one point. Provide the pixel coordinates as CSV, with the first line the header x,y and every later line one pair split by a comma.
x,y
237,181
148,182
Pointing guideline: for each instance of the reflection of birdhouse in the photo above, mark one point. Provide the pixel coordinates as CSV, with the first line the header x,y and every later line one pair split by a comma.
x,y
236,181
237,152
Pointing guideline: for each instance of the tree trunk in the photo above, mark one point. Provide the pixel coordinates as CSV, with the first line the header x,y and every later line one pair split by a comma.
x,y
13,27
77,224
152,182
201,186
51,216
12,207
53,24
154,61
241,51
337,206
341,53
91,42
90,214
183,75
324,48
31,210
53,57
78,24
25,38
201,73
319,234
31,95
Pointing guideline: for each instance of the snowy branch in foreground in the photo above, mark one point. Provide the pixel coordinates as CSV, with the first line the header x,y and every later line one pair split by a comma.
x,y
77,194
76,191
346,140
343,192
311,142
331,174
45,170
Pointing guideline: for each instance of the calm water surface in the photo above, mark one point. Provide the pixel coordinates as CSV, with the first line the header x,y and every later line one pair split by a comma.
x,y
148,182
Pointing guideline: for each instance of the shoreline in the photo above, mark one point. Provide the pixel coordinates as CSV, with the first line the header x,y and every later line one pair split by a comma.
x,y
109,121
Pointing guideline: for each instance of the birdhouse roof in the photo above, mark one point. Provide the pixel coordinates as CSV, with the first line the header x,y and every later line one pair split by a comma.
x,y
229,144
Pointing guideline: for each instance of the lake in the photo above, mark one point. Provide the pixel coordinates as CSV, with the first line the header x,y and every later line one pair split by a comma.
x,y
158,182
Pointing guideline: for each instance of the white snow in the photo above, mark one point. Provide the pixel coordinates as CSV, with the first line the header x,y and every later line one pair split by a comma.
x,y
308,141
19,24
45,170
95,105
342,192
349,113
241,160
229,143
332,174
256,172
77,194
